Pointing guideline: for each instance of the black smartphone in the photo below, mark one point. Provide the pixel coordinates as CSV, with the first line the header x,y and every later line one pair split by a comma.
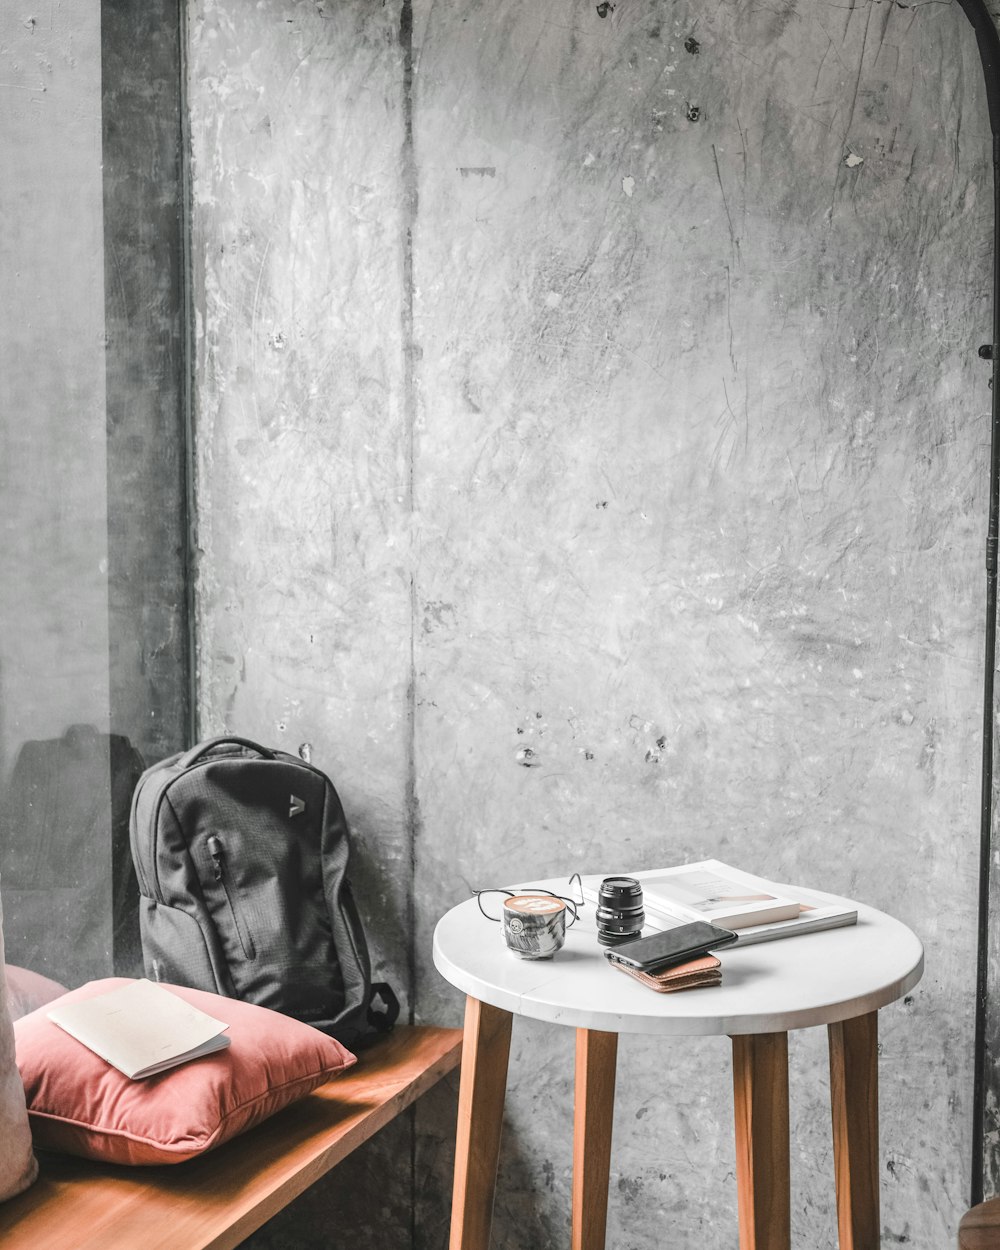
x,y
672,946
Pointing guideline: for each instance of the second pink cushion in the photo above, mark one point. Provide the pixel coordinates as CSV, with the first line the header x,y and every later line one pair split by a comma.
x,y
27,990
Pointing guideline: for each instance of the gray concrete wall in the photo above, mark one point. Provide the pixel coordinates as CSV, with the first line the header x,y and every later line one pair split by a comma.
x,y
92,509
601,383
144,221
54,633
53,553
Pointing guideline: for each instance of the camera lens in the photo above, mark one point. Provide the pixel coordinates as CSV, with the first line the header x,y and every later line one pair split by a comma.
x,y
620,914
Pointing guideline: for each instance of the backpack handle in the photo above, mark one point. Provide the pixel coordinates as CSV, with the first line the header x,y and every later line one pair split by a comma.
x,y
203,748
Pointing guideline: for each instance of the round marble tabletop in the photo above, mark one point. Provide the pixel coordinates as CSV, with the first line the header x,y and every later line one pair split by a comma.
x,y
767,987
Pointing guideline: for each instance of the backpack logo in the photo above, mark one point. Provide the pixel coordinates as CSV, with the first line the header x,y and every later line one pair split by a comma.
x,y
296,806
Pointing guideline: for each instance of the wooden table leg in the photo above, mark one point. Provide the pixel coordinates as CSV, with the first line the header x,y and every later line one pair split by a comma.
x,y
485,1051
760,1096
593,1113
481,1090
854,1101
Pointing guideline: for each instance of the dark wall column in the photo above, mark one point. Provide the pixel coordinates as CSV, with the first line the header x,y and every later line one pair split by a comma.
x,y
149,661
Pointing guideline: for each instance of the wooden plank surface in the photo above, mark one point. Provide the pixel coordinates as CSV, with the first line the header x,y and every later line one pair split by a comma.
x,y
593,1117
485,1055
216,1201
760,1087
854,1104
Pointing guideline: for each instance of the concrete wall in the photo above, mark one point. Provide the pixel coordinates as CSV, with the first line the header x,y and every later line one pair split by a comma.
x,y
146,354
92,509
54,634
54,548
591,467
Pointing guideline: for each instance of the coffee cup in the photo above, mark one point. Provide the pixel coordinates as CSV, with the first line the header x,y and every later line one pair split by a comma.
x,y
534,925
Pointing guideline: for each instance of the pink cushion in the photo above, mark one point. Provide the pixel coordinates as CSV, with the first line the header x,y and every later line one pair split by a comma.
x,y
81,1105
28,990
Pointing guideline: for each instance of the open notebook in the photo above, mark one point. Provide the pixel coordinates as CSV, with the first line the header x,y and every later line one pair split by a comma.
x,y
141,1028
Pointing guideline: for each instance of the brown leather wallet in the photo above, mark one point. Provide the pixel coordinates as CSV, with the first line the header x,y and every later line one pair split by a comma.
x,y
695,974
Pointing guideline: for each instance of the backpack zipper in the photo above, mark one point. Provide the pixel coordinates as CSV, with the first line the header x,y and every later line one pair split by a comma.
x,y
218,854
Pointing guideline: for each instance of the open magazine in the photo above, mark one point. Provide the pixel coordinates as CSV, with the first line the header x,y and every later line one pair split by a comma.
x,y
756,909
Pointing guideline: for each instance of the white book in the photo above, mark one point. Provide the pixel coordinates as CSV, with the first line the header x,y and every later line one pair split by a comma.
x,y
141,1028
710,890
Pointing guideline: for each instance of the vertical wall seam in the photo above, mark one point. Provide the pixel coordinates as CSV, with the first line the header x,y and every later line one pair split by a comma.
x,y
408,170
190,515
109,552
409,180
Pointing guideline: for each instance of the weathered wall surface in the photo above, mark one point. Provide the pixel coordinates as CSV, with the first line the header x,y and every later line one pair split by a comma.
x,y
149,668
53,464
145,354
53,553
591,467
305,571
92,515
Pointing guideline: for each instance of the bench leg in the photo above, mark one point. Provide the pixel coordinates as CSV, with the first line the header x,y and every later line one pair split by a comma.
x,y
485,1051
594,1104
854,1101
760,1089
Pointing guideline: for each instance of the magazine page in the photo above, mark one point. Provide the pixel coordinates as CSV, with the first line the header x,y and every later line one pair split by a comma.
x,y
715,892
812,911
817,913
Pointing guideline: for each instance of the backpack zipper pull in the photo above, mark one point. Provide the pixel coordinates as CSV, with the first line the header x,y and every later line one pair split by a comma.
x,y
217,853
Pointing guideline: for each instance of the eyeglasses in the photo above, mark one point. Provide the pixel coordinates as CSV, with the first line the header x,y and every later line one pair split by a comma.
x,y
574,904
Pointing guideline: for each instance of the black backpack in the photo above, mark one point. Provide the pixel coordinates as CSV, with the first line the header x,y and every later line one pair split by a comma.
x,y
241,855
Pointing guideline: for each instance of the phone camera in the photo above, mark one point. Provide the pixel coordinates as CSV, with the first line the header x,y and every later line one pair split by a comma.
x,y
620,913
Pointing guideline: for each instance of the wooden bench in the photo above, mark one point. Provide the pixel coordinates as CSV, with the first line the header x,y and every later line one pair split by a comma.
x,y
219,1199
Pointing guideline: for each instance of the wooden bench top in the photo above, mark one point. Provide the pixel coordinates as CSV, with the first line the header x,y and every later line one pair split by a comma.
x,y
214,1202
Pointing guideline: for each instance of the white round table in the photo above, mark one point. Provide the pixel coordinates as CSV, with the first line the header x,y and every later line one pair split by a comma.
x,y
838,978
